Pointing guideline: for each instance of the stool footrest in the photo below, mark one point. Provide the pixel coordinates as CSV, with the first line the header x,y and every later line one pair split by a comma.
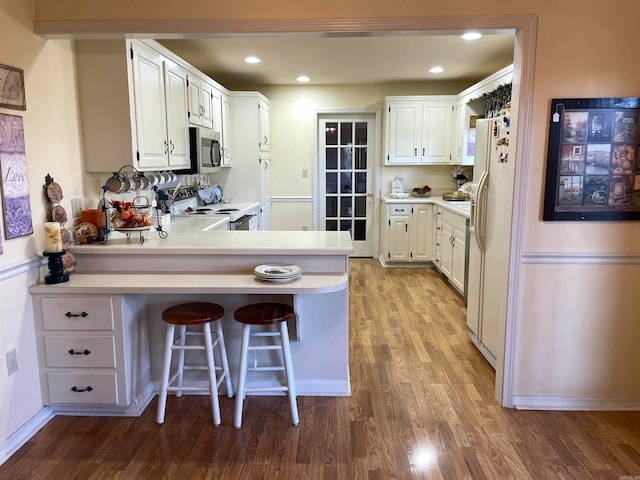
x,y
264,347
188,389
266,389
177,346
266,369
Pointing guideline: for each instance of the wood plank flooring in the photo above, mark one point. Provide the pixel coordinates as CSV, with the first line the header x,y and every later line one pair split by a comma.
x,y
422,407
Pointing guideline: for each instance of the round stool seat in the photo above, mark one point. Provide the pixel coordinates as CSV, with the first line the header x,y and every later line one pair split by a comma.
x,y
195,313
264,313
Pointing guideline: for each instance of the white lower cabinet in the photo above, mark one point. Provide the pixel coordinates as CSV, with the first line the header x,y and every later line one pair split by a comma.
x,y
406,232
450,246
92,351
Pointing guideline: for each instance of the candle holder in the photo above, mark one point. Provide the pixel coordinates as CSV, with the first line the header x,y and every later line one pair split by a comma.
x,y
56,268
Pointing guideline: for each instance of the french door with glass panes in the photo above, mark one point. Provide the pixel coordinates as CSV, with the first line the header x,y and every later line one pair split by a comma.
x,y
346,157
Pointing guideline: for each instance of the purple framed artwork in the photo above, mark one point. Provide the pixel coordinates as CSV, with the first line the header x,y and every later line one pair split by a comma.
x,y
15,188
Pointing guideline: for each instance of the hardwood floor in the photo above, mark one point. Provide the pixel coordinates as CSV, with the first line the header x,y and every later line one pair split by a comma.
x,y
422,407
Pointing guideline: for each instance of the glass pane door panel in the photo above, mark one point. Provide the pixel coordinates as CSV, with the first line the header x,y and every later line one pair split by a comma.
x,y
361,182
331,225
346,183
332,182
346,208
360,158
331,158
332,207
359,230
346,133
331,134
361,207
361,133
346,158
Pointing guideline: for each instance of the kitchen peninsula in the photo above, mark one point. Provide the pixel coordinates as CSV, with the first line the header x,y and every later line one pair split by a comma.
x,y
113,302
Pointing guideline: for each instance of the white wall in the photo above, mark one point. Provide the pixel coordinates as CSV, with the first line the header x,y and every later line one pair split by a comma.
x,y
52,147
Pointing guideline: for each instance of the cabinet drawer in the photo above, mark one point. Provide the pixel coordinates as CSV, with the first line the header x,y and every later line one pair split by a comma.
x,y
87,388
80,351
64,313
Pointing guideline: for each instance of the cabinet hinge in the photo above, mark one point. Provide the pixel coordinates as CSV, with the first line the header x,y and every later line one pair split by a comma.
x,y
389,222
131,50
389,109
453,109
389,255
138,155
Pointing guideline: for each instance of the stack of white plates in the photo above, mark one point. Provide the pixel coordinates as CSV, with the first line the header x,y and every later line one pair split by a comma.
x,y
277,273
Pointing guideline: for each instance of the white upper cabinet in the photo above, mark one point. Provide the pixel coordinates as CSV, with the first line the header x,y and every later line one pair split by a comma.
x,y
419,130
265,132
135,97
160,111
200,97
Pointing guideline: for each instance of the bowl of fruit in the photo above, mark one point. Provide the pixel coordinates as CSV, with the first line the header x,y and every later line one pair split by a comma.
x,y
129,216
421,191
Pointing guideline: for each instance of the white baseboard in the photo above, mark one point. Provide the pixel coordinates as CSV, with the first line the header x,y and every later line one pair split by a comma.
x,y
21,436
547,402
323,388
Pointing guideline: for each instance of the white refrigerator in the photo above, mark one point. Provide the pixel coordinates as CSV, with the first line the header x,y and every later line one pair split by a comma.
x,y
490,236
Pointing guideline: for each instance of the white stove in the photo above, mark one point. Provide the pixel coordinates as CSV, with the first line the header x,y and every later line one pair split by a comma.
x,y
242,215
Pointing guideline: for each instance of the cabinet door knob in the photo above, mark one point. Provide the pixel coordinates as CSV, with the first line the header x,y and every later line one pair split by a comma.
x,y
415,152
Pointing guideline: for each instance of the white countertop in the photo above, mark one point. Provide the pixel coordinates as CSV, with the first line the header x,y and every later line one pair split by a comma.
x,y
193,240
132,283
461,208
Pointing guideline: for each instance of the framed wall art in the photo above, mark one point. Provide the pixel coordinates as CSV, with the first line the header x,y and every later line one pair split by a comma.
x,y
12,88
593,172
15,187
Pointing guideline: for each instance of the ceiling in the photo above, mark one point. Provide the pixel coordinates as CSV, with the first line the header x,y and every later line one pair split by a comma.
x,y
330,60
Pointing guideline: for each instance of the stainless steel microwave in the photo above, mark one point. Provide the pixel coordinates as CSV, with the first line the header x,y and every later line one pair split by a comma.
x,y
204,151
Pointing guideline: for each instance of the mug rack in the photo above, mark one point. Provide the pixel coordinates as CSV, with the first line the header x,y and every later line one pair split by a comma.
x,y
125,172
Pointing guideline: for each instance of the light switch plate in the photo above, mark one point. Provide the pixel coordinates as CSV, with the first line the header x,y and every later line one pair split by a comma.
x,y
76,207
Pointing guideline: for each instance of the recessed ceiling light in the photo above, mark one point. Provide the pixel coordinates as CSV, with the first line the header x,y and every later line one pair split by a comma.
x,y
471,36
436,70
303,79
252,59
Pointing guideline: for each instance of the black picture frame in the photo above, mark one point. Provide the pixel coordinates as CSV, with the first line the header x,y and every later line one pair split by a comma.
x,y
593,169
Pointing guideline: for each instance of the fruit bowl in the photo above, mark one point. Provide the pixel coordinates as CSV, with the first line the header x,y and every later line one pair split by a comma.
x,y
421,191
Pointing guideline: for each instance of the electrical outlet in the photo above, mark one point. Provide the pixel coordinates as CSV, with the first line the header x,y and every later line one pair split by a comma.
x,y
305,228
12,361
305,173
76,207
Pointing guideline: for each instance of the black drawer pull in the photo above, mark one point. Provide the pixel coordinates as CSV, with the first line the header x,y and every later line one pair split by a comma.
x,y
84,352
69,314
76,389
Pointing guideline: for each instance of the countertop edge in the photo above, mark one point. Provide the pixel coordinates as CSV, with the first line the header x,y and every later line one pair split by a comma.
x,y
90,283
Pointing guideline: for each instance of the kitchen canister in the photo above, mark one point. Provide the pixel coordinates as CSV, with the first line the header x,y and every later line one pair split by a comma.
x,y
94,216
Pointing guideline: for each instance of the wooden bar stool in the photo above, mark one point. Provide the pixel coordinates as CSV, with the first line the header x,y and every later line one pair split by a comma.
x,y
265,314
183,316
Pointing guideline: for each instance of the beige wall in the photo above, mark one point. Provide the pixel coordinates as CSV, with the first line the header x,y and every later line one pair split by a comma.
x,y
52,145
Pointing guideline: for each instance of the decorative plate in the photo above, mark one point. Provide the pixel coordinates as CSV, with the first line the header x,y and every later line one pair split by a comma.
x,y
206,194
217,192
59,214
54,192
86,233
66,238
69,262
